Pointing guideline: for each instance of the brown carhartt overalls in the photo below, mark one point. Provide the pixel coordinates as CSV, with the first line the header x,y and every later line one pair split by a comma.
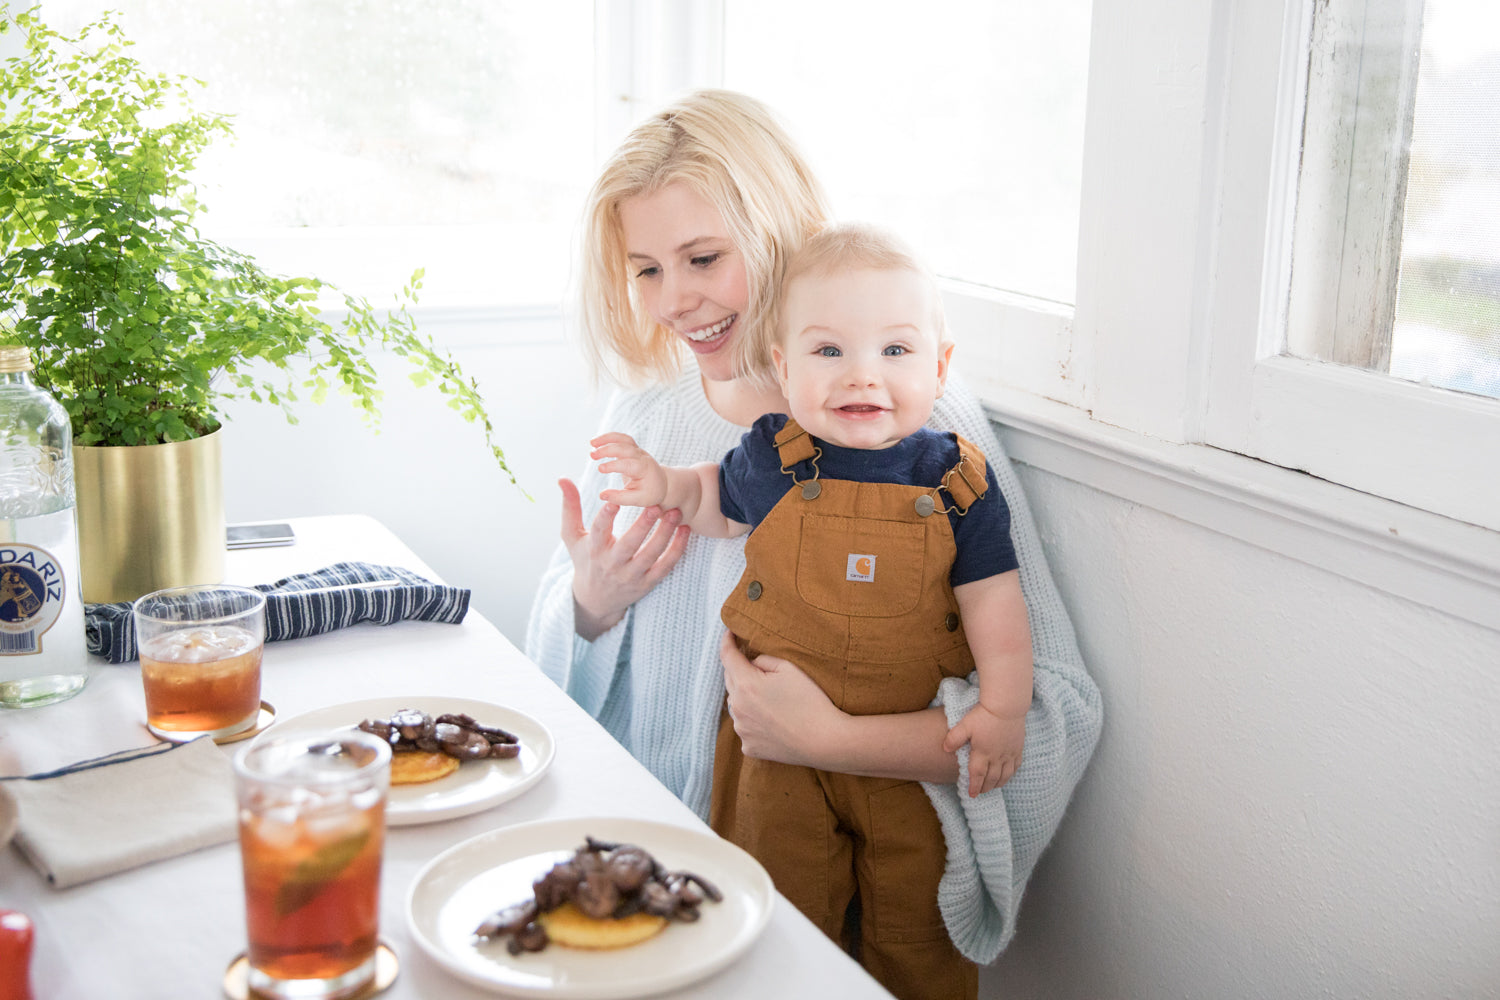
x,y
850,581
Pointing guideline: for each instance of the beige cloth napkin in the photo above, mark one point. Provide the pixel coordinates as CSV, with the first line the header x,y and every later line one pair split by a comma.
x,y
120,812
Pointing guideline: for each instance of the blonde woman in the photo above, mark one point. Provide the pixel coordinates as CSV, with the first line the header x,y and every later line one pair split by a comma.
x,y
686,235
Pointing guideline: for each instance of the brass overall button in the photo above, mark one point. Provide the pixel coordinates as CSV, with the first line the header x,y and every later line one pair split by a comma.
x,y
925,508
811,489
753,592
951,622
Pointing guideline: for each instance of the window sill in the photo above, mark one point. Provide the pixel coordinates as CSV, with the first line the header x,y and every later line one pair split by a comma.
x,y
1434,561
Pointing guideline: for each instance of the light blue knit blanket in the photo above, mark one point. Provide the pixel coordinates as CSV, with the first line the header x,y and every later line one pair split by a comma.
x,y
995,839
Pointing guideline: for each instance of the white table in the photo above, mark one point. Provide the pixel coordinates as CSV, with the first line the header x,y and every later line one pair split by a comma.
x,y
169,929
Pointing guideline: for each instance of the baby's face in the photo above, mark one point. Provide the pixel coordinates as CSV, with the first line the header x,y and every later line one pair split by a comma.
x,y
860,361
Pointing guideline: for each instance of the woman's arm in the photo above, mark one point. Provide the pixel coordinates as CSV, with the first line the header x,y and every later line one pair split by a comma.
x,y
578,628
584,668
780,714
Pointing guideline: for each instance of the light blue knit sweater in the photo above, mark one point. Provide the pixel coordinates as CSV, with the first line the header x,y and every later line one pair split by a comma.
x,y
655,681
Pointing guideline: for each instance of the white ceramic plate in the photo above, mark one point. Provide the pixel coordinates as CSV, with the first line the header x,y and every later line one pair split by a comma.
x,y
466,883
477,785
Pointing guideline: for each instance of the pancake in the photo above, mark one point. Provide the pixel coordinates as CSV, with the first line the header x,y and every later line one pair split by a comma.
x,y
570,927
415,767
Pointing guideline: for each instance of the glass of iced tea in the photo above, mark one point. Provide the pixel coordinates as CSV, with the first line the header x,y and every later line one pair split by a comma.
x,y
200,650
312,830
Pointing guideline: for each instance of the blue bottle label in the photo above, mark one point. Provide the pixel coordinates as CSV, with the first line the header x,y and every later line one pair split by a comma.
x,y
33,591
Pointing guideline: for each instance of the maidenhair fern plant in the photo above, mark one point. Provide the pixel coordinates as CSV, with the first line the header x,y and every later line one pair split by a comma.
x,y
142,328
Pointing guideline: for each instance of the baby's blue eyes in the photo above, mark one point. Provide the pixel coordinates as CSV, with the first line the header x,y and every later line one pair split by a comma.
x,y
892,351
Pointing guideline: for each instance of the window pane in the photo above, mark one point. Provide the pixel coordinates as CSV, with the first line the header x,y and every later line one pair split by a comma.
x,y
1396,249
373,137
958,124
1447,328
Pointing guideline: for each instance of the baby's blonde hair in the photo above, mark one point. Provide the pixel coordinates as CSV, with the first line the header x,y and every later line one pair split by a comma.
x,y
839,247
730,150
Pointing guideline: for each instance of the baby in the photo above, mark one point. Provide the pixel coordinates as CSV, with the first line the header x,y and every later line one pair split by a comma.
x,y
879,562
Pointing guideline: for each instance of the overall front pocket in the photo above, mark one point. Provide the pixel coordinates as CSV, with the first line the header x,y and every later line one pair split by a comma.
x,y
860,567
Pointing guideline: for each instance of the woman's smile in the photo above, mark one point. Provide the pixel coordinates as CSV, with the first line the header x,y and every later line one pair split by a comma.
x,y
707,333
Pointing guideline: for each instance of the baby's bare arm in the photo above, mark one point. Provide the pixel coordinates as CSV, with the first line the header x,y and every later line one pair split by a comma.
x,y
994,616
698,488
694,490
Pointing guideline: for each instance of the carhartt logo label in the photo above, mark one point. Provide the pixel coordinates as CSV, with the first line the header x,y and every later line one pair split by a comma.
x,y
861,568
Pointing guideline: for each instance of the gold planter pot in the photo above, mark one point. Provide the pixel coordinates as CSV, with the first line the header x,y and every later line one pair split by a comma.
x,y
149,517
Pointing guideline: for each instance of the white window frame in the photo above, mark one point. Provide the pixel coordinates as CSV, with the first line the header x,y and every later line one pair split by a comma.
x,y
1192,142
645,53
1010,342
1165,386
1425,447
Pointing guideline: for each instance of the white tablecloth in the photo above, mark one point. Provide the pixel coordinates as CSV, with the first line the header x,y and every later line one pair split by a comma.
x,y
169,929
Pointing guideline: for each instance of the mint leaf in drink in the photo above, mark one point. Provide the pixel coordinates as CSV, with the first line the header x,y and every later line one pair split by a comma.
x,y
314,872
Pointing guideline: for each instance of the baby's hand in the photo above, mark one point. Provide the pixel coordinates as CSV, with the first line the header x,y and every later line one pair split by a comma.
x,y
645,479
995,744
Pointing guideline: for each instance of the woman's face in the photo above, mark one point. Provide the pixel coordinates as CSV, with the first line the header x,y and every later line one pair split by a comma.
x,y
687,271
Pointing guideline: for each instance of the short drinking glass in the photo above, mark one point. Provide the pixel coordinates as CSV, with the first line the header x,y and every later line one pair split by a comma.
x,y
312,830
200,650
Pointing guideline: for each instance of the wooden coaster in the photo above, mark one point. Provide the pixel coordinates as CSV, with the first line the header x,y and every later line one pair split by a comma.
x,y
237,987
263,720
262,723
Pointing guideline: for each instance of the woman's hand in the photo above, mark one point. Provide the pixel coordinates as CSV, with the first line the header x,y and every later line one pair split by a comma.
x,y
610,574
778,711
781,714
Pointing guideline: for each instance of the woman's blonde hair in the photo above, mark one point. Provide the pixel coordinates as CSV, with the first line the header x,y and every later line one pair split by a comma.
x,y
730,150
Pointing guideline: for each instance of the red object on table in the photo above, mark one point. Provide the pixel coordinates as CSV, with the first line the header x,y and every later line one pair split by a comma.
x,y
15,955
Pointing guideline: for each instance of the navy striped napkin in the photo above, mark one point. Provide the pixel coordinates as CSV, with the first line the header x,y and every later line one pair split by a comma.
x,y
307,604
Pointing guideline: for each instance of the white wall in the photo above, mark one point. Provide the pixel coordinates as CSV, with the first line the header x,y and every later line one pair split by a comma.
x,y
1296,791
426,474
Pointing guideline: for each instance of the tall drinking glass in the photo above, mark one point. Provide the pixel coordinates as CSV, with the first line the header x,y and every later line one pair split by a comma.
x,y
200,650
312,834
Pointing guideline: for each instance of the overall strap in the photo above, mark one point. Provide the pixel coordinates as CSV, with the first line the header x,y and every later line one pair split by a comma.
x,y
795,445
965,482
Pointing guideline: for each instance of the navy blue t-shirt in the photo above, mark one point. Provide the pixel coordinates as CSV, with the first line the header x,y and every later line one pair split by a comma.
x,y
751,483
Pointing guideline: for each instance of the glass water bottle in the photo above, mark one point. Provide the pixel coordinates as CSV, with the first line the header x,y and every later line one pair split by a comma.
x,y
43,658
